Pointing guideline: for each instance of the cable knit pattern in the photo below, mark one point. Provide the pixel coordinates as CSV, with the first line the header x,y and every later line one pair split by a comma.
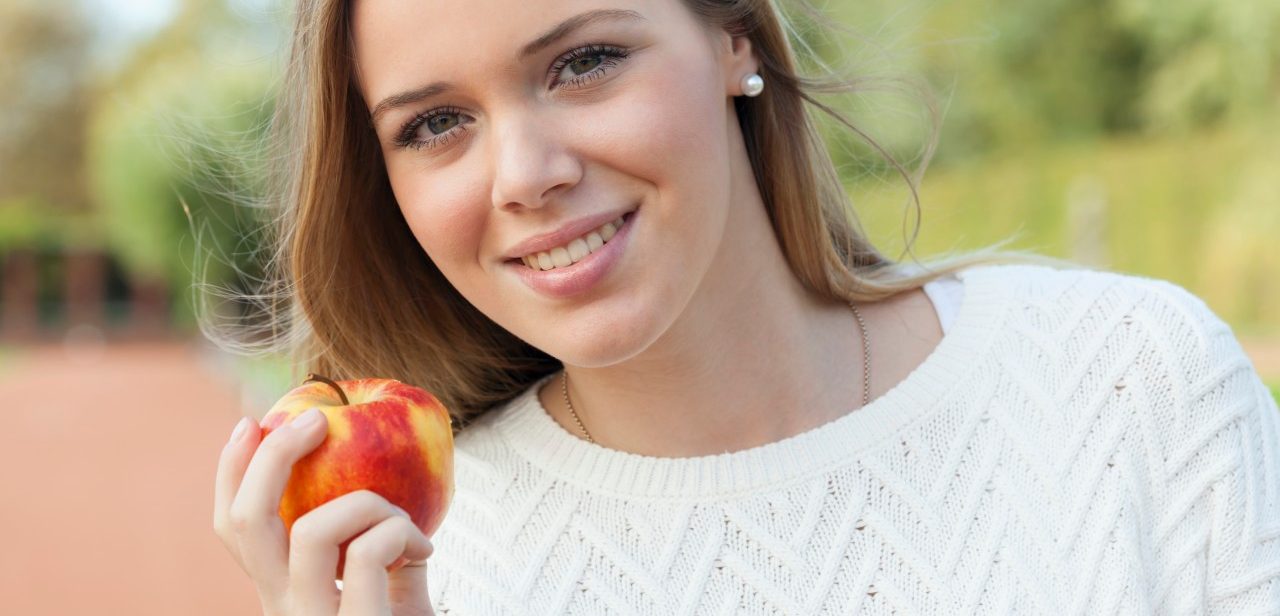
x,y
1078,443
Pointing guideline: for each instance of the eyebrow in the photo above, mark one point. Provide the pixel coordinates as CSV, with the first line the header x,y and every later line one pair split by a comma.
x,y
561,30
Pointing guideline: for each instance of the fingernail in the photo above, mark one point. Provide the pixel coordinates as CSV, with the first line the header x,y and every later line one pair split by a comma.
x,y
307,419
240,430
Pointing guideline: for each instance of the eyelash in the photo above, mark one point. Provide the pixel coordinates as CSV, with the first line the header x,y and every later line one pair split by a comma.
x,y
611,57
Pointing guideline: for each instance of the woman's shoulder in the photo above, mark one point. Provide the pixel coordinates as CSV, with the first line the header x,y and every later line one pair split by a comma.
x,y
1078,300
1146,341
1083,337
1070,288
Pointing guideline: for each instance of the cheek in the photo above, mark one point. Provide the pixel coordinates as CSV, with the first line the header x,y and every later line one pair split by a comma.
x,y
667,129
444,219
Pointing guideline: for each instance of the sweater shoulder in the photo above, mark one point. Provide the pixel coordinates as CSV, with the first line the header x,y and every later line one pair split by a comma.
x,y
1058,283
1166,307
1174,335
1187,362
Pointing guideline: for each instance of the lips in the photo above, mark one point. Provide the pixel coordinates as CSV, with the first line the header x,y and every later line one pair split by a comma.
x,y
563,235
600,235
562,283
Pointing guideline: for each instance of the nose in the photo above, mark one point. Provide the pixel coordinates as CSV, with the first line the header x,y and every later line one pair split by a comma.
x,y
531,164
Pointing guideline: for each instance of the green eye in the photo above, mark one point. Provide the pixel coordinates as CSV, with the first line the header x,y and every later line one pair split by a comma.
x,y
443,122
439,124
586,63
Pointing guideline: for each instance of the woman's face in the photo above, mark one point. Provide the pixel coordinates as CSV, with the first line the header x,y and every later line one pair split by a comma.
x,y
629,113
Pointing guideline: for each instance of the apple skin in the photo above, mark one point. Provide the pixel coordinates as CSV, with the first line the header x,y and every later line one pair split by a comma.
x,y
391,438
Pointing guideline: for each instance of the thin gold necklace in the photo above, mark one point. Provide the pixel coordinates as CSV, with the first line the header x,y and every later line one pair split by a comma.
x,y
866,374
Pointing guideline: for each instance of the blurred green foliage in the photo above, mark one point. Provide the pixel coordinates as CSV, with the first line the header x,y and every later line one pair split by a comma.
x,y
43,204
30,222
173,155
43,96
1128,134
149,170
1017,75
1201,210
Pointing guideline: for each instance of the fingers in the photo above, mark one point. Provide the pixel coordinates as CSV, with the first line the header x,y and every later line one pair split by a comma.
x,y
367,587
407,587
315,540
231,464
254,511
298,571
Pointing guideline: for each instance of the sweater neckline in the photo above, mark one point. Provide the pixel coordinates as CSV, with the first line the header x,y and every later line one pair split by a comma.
x,y
531,431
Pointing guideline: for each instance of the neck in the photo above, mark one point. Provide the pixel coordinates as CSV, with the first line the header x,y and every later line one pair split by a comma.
x,y
742,365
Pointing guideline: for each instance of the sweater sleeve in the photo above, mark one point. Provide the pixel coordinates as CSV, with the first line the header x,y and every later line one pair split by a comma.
x,y
1244,537
1223,460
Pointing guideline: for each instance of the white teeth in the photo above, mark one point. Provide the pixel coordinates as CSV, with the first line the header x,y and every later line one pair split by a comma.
x,y
608,230
574,251
578,249
560,257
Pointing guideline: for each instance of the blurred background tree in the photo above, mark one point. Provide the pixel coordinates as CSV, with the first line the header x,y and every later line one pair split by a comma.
x,y
174,132
44,100
110,136
1129,134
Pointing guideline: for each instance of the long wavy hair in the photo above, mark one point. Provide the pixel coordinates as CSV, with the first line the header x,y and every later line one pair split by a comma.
x,y
350,293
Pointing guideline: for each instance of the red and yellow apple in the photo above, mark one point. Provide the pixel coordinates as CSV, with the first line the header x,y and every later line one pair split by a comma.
x,y
384,436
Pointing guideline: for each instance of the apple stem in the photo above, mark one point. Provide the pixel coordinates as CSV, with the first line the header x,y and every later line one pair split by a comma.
x,y
311,376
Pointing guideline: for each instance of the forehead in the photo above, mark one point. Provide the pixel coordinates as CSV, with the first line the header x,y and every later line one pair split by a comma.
x,y
407,42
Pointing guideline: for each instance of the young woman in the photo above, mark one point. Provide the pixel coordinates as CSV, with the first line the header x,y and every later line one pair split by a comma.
x,y
607,236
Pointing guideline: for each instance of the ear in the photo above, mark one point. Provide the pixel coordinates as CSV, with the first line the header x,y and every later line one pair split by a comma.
x,y
737,59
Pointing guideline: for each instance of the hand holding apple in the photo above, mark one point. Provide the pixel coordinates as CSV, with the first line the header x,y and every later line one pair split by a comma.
x,y
383,436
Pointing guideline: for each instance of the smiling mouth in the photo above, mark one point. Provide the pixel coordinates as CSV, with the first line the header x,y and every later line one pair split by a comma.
x,y
625,218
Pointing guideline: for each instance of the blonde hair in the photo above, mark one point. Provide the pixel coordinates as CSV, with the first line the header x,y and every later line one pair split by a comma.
x,y
350,293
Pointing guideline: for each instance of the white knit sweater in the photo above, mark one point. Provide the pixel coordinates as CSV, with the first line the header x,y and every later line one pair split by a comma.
x,y
1078,443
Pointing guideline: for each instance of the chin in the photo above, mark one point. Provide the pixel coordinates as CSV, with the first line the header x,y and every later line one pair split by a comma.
x,y
602,345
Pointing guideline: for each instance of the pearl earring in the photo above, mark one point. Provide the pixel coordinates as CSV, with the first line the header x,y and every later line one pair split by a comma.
x,y
752,85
